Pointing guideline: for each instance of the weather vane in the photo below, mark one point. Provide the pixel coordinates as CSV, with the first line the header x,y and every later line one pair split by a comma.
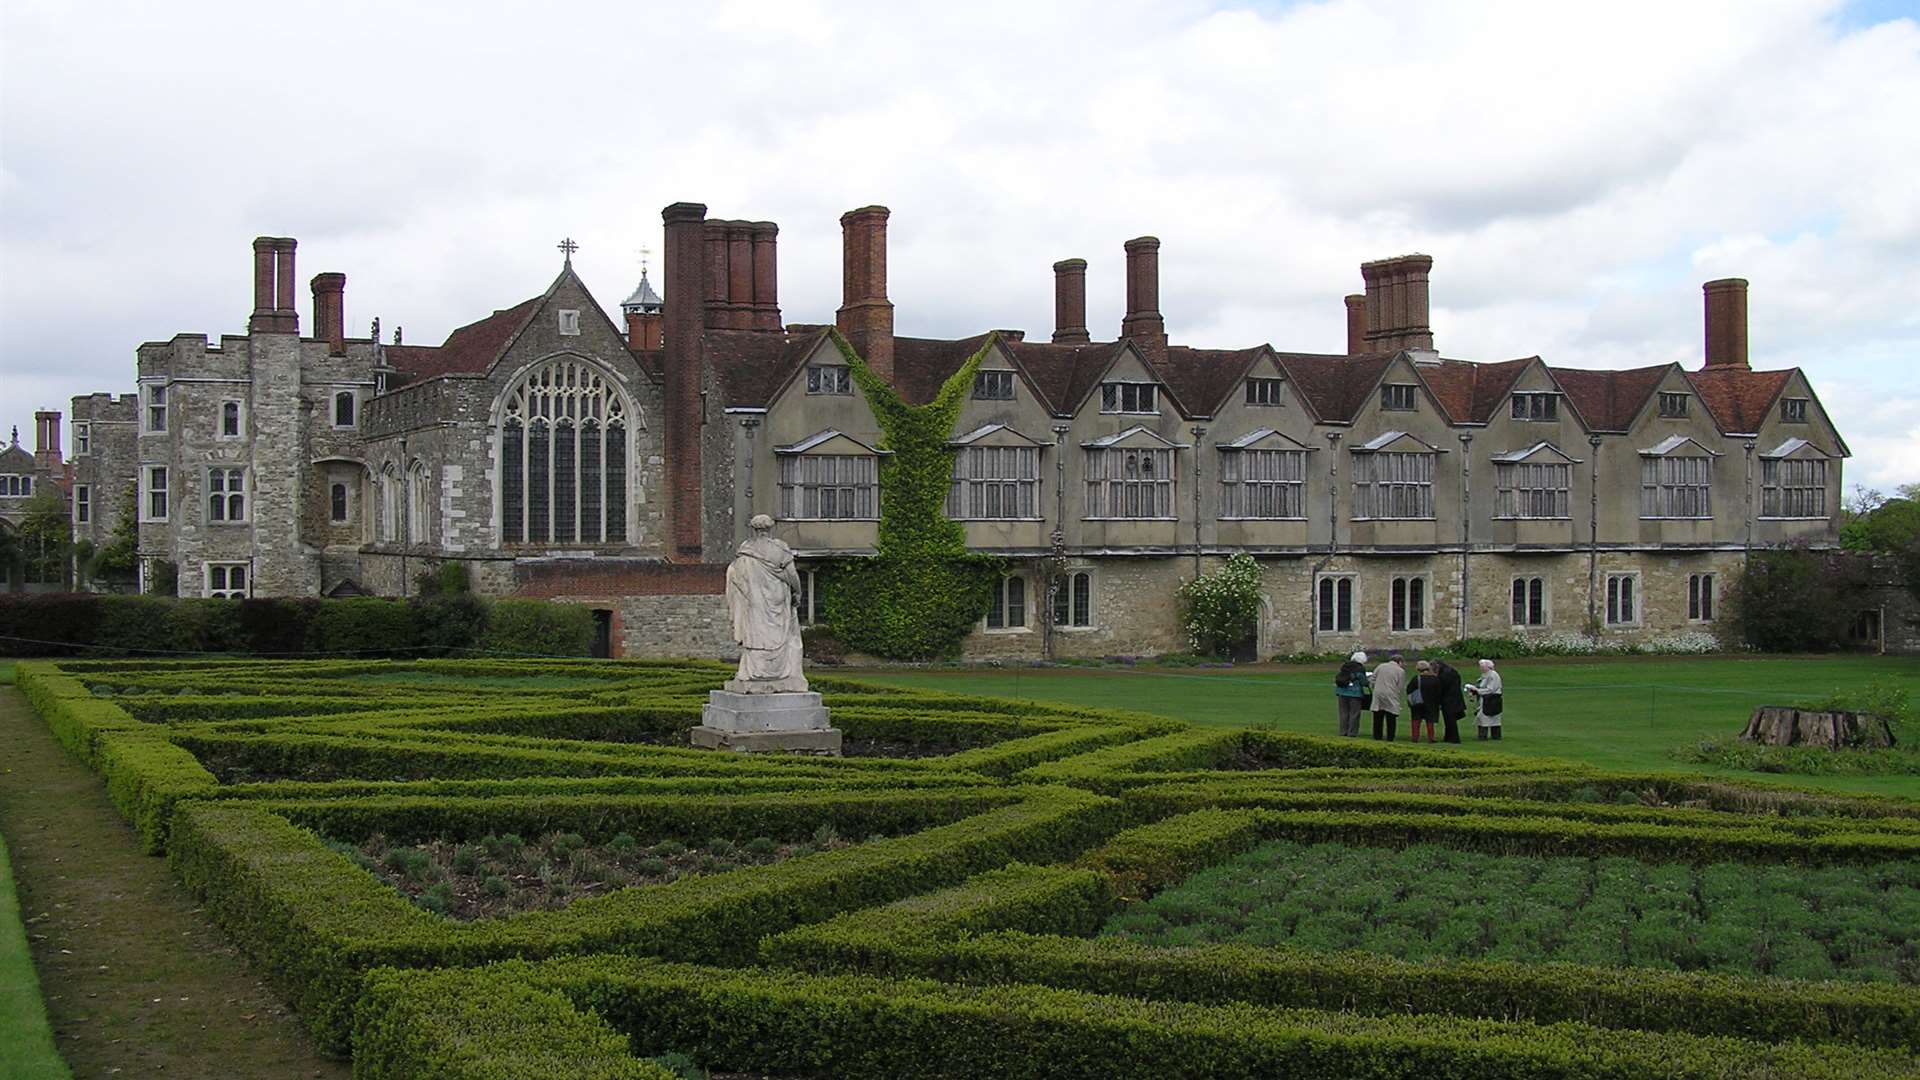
x,y
567,248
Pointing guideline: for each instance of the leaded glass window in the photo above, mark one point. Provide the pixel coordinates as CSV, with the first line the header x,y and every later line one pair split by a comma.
x,y
563,458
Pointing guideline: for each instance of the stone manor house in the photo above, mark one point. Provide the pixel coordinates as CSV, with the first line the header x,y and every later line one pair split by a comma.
x,y
1392,496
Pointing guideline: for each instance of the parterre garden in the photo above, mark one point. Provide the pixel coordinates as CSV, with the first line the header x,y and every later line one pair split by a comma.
x,y
512,869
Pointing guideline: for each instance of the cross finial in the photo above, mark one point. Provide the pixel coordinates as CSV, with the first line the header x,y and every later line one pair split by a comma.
x,y
567,248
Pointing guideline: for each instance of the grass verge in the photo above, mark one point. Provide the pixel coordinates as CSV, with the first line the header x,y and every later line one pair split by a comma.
x,y
26,1042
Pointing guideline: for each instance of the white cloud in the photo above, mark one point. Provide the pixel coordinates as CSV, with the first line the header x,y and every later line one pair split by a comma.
x,y
1575,171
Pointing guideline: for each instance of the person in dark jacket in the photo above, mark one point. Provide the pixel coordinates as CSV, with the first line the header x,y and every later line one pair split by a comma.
x,y
1453,698
1350,693
1423,699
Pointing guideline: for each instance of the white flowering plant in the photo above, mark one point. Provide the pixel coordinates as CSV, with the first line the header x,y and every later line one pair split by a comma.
x,y
1681,643
1221,610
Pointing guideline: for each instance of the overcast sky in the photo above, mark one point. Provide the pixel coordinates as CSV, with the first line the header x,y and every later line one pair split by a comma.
x,y
1576,170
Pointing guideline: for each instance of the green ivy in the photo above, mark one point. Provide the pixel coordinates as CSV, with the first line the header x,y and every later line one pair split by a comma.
x,y
923,590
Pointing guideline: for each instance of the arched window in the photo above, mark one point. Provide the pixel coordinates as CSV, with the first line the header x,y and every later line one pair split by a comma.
x,y
343,402
419,496
563,457
389,484
338,503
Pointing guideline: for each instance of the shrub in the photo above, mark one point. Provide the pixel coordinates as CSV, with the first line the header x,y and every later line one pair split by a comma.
x,y
361,627
448,622
821,646
538,628
1791,599
1221,610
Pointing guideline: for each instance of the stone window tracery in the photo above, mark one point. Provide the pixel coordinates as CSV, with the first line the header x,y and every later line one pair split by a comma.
x,y
564,451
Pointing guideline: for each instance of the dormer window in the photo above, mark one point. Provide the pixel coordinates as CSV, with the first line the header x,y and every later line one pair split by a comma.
x,y
1793,410
1536,406
1673,406
1397,397
829,379
1263,391
993,386
1129,397
569,322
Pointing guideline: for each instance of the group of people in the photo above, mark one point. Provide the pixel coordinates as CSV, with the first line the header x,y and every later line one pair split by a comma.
x,y
1434,689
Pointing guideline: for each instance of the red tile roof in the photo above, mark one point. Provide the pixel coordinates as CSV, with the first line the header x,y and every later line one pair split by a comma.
x,y
469,350
1609,400
921,365
1201,379
1737,398
749,366
1468,392
1063,374
1335,386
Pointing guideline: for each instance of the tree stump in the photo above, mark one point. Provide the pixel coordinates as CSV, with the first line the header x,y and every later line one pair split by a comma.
x,y
1779,725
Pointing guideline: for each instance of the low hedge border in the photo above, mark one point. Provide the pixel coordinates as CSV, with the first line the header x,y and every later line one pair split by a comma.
x,y
856,1027
1028,924
317,923
449,1025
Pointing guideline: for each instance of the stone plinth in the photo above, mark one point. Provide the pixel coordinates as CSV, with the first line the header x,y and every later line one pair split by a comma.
x,y
752,723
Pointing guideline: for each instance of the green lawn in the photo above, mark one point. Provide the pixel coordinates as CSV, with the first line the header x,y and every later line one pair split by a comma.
x,y
1613,712
26,1043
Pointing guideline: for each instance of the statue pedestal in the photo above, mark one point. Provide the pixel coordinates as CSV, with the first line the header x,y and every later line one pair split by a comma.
x,y
754,723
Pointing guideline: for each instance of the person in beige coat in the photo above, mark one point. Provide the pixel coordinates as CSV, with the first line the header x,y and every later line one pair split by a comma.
x,y
1389,689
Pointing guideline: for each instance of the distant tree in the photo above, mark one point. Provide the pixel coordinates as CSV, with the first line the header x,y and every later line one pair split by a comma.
x,y
46,539
1872,521
116,563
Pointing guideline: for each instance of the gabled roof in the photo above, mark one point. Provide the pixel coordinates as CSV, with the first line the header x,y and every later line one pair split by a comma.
x,y
1522,455
922,365
1471,393
1334,387
987,431
469,350
820,438
1137,430
1609,400
1254,437
1062,374
1737,398
1791,447
1674,442
1388,438
752,366
1203,378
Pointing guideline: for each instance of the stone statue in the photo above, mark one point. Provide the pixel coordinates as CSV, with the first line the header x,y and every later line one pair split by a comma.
x,y
762,585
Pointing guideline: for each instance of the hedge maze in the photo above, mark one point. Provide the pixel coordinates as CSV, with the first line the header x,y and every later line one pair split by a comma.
x,y
953,927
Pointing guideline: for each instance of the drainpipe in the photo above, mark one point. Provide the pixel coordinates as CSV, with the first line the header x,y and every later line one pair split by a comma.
x,y
1466,521
1747,554
1199,432
1333,534
1054,582
747,424
1593,537
404,527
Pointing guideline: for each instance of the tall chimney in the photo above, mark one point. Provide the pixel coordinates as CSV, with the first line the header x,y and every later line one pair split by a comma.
x,y
1396,308
1726,322
1070,302
273,311
46,440
866,315
1356,324
1142,322
684,316
716,315
330,311
766,276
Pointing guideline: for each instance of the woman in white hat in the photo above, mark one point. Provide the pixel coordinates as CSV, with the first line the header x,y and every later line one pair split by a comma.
x,y
1351,692
1492,701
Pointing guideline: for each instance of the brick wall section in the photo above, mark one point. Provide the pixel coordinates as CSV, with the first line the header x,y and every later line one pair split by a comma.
x,y
590,577
660,609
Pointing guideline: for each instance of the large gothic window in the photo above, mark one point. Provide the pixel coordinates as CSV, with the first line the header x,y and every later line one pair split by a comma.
x,y
563,457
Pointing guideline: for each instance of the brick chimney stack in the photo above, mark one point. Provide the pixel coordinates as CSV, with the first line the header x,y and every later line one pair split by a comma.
x,y
273,311
684,319
1726,322
330,311
643,331
766,275
1396,311
866,315
1142,321
46,440
1070,302
1356,324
